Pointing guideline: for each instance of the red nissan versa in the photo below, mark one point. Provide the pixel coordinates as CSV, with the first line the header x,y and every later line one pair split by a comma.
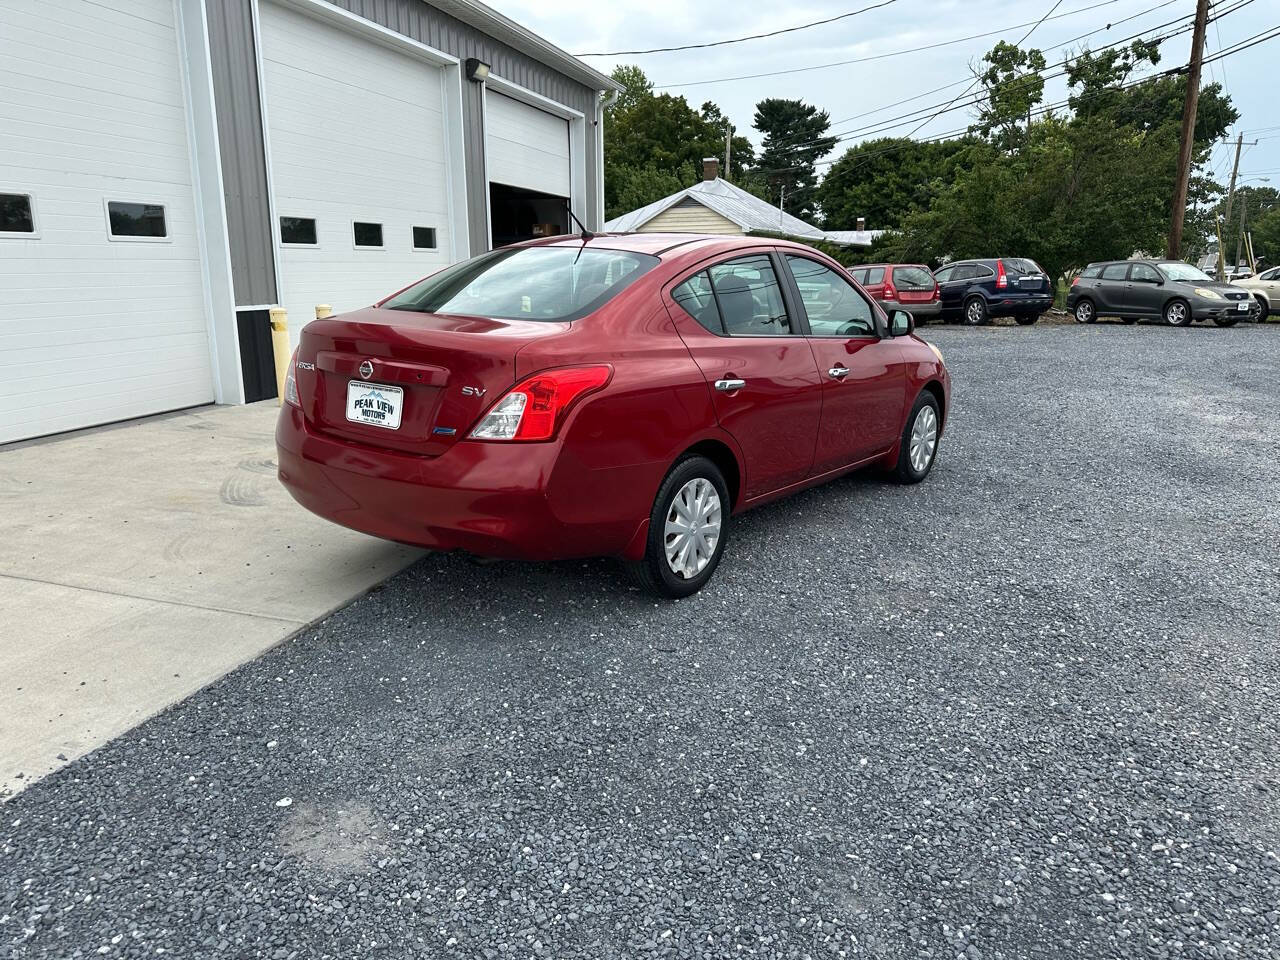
x,y
910,286
617,395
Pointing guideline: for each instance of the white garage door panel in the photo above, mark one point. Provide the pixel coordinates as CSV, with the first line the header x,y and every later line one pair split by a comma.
x,y
94,330
357,133
525,146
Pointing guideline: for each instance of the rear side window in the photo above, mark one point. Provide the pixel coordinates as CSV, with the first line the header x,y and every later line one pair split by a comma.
x,y
697,300
912,278
1092,271
527,283
750,298
1020,266
1115,271
875,275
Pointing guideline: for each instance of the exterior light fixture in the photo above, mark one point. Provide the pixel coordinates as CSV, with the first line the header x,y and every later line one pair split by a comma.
x,y
477,70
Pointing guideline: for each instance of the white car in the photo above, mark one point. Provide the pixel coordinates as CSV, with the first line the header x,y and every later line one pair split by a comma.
x,y
1265,288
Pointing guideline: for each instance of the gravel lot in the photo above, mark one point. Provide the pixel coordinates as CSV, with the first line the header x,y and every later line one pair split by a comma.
x,y
1028,709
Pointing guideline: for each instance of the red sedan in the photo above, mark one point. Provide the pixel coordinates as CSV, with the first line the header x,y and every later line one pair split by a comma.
x,y
608,395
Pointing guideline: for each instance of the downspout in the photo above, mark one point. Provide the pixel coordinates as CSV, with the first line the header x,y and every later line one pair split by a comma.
x,y
604,101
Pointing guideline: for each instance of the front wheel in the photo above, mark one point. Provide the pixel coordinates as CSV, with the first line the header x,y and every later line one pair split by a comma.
x,y
687,530
1177,313
919,446
975,311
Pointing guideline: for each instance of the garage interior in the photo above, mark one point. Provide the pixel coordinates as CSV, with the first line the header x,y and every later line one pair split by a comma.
x,y
518,213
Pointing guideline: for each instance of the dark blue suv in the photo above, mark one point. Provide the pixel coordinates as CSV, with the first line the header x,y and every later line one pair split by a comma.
x,y
974,291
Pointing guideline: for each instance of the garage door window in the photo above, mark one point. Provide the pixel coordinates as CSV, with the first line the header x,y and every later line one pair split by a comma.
x,y
300,231
424,238
17,215
136,221
367,235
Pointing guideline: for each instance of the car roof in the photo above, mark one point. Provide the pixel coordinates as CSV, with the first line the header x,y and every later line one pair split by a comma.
x,y
658,244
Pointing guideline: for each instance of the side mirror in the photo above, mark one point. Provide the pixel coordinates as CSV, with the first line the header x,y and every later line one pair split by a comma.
x,y
901,323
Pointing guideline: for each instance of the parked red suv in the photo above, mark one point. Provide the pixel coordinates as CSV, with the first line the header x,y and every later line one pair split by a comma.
x,y
607,395
906,286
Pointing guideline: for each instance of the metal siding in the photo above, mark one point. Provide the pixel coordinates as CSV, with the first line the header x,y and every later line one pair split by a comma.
x,y
240,144
431,26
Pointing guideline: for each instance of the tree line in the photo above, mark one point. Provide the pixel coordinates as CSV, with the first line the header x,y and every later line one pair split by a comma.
x,y
1090,178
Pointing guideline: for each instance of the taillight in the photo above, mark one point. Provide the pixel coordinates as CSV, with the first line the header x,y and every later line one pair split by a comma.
x,y
536,407
1075,279
290,383
889,292
1001,280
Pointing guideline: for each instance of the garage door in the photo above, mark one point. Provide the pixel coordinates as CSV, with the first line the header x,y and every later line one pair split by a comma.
x,y
525,146
101,299
358,161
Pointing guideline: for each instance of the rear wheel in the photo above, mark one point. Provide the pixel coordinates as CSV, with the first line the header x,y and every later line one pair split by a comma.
x,y
687,530
919,447
975,311
1084,312
1177,313
1264,309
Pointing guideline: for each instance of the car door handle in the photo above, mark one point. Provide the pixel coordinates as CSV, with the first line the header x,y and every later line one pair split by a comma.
x,y
838,372
729,384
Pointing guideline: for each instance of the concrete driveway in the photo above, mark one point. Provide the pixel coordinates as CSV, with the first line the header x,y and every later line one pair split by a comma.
x,y
140,562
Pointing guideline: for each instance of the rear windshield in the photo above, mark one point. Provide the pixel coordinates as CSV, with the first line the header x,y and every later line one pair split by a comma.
x,y
1021,267
912,278
527,283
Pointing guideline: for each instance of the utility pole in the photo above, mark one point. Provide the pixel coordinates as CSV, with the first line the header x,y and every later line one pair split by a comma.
x,y
1188,130
1244,225
728,147
1231,195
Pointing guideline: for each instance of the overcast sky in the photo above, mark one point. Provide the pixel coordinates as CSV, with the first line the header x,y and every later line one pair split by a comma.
x,y
852,91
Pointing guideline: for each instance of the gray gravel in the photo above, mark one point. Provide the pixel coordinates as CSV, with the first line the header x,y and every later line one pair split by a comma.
x,y
1028,709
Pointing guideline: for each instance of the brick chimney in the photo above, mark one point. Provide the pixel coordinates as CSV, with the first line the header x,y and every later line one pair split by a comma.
x,y
862,223
710,168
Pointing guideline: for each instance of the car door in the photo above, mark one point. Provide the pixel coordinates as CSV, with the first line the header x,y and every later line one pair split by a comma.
x,y
1144,291
864,379
951,285
1269,281
732,316
1111,289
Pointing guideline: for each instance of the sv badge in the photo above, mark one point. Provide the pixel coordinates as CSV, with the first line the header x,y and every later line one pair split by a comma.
x,y
473,391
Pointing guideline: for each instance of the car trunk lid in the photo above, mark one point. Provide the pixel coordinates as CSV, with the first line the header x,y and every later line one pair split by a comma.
x,y
914,285
443,370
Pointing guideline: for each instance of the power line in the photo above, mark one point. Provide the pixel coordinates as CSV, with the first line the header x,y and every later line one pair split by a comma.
x,y
754,36
882,56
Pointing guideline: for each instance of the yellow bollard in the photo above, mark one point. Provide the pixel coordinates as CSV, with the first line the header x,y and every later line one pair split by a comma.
x,y
323,311
280,348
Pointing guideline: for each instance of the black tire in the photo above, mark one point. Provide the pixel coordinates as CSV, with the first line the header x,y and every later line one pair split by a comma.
x,y
1026,319
974,313
653,573
1175,318
1264,309
905,471
1085,311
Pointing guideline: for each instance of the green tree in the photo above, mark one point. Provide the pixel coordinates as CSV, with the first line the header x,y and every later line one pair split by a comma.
x,y
883,180
1013,87
794,140
1266,235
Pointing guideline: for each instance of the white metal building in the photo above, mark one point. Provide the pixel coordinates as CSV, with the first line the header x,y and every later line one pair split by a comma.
x,y
170,169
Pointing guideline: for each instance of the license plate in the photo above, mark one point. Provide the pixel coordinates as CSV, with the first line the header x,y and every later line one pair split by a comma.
x,y
1243,306
375,404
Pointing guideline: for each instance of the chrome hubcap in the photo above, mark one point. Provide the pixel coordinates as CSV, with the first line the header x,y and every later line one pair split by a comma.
x,y
1177,314
975,312
924,439
693,528
1083,312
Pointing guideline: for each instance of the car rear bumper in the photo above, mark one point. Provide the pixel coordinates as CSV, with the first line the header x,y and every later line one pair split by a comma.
x,y
489,499
1009,306
915,309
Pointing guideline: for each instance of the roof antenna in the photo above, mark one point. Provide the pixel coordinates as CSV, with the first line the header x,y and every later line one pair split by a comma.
x,y
586,234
